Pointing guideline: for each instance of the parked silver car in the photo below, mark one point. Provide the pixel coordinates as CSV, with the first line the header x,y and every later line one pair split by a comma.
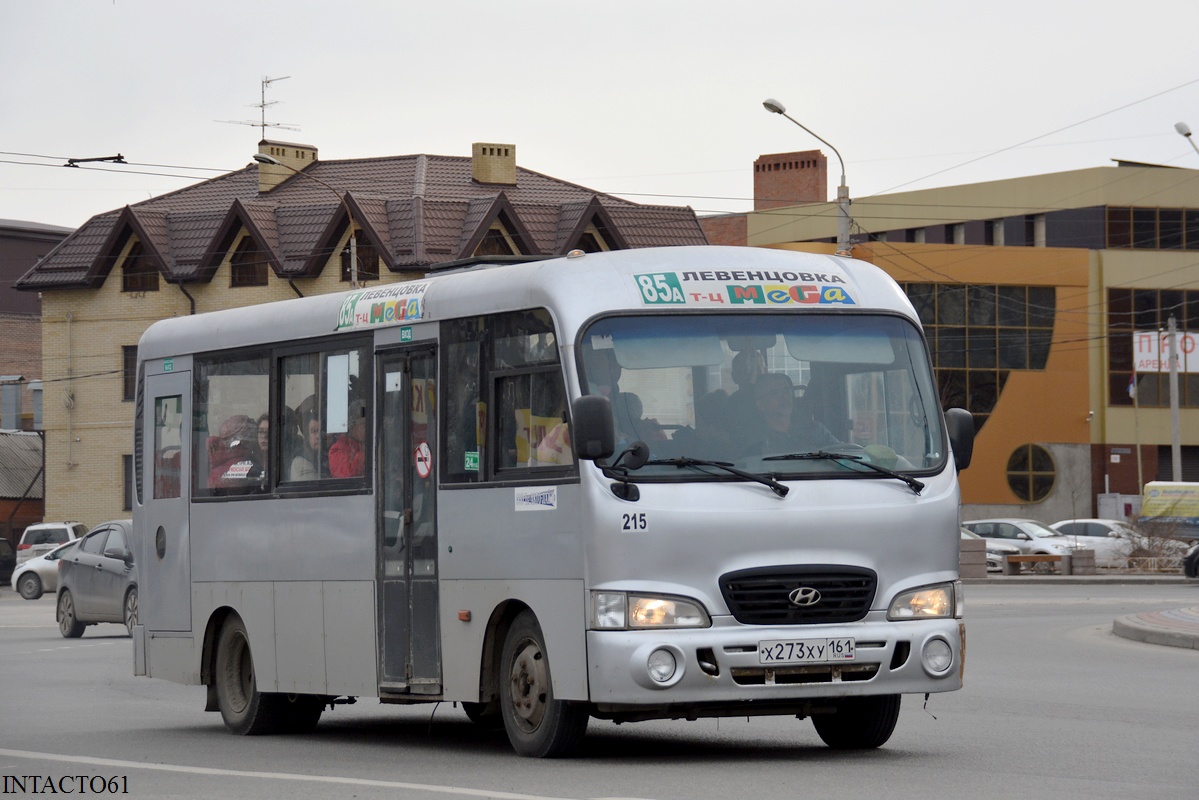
x,y
1030,536
1115,541
39,575
97,580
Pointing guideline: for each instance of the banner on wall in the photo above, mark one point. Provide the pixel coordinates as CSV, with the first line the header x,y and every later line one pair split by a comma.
x,y
1151,351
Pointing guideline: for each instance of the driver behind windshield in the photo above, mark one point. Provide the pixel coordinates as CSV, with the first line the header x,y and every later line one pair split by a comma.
x,y
785,424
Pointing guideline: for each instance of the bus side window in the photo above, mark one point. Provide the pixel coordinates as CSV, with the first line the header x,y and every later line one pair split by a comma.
x,y
530,397
326,416
465,411
168,439
230,395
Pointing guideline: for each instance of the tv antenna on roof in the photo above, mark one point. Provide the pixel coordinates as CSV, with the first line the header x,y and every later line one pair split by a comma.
x,y
262,105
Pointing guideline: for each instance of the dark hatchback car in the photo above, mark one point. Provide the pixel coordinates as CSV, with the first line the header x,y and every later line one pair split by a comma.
x,y
97,580
8,561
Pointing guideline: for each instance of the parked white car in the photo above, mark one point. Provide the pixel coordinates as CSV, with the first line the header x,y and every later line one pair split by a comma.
x,y
40,574
1115,541
42,537
1028,535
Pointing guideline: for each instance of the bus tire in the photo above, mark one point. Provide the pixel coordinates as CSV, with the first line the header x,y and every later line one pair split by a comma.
x,y
538,725
246,711
299,713
485,715
860,723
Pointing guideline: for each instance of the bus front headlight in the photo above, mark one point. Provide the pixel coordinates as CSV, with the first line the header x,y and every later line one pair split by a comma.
x,y
624,611
941,601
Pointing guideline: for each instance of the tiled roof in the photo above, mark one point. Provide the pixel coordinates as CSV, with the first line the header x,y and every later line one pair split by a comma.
x,y
418,210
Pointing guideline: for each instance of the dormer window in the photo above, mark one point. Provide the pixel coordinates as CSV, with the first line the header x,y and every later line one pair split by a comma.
x,y
248,265
368,259
138,273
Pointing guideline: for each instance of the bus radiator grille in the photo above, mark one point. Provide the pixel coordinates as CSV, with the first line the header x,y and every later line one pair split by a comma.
x,y
764,595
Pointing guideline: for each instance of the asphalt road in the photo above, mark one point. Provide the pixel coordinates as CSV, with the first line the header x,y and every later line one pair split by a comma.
x,y
1055,706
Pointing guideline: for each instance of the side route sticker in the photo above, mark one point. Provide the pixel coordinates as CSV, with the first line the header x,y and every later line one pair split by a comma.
x,y
536,498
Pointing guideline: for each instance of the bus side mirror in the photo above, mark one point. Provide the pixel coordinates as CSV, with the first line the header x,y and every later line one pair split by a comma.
x,y
592,428
960,424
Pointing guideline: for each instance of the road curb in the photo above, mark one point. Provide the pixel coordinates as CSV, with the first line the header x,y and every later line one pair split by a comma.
x,y
1083,580
1175,627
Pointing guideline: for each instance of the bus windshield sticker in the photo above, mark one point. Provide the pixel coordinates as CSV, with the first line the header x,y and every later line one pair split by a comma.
x,y
387,305
536,498
740,287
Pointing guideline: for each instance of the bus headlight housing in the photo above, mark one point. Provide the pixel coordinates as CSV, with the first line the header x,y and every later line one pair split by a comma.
x,y
940,601
626,611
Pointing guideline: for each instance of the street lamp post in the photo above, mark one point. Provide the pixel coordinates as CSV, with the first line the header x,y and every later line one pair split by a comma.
x,y
843,245
263,158
1184,131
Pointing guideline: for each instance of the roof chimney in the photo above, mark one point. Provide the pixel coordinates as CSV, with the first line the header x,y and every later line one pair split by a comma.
x,y
289,155
493,163
790,179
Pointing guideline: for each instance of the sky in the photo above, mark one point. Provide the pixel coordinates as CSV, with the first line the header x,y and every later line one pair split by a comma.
x,y
657,101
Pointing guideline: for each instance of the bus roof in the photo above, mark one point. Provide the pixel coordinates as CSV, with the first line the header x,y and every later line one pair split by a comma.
x,y
575,288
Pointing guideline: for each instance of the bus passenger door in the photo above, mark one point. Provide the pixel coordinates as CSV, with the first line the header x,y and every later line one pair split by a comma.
x,y
163,555
409,642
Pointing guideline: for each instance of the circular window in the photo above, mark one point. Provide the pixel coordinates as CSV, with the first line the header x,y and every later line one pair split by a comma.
x,y
1030,473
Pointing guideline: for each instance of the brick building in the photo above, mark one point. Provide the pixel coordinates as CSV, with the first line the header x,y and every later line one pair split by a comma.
x,y
21,245
272,231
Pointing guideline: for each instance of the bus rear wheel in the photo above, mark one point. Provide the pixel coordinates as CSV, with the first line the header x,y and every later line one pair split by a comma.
x,y
538,725
860,723
246,710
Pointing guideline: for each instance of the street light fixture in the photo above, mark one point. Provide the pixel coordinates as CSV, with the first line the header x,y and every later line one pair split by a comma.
x,y
843,245
1184,131
263,158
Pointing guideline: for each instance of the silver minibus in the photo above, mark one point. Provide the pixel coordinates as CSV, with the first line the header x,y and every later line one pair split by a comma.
x,y
668,483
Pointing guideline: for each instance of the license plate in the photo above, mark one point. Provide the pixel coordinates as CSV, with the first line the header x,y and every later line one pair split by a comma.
x,y
805,651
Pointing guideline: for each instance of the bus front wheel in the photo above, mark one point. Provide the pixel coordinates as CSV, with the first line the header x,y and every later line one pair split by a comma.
x,y
538,725
860,723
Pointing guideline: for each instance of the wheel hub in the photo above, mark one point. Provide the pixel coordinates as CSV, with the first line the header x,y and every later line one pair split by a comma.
x,y
529,684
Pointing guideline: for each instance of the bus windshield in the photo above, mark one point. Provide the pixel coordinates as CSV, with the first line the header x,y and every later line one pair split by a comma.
x,y
770,393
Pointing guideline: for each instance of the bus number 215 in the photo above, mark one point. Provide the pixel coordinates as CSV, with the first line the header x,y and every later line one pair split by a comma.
x,y
634,522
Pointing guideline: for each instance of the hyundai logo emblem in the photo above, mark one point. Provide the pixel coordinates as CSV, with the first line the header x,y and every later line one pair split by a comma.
x,y
804,596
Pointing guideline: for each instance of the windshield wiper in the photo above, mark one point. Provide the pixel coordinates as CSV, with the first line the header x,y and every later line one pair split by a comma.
x,y
824,455
727,466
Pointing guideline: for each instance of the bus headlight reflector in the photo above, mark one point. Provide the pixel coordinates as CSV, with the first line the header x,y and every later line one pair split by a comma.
x,y
930,602
621,611
937,656
665,612
662,665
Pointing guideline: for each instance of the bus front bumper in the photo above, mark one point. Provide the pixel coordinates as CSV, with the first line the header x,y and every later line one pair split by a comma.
x,y
734,663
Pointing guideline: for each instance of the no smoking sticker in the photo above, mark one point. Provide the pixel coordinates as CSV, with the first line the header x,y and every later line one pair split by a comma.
x,y
424,460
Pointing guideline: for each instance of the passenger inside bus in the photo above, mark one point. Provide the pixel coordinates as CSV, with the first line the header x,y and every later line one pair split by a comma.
x,y
264,438
233,457
347,457
630,422
306,463
747,367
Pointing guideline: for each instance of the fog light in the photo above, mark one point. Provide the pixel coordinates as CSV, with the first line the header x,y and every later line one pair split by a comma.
x,y
937,656
662,665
